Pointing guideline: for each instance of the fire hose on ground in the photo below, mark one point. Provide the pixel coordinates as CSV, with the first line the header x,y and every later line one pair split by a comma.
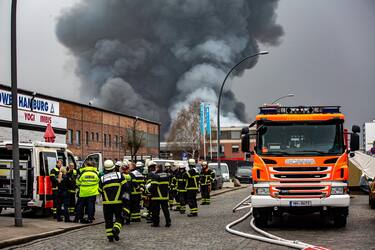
x,y
266,237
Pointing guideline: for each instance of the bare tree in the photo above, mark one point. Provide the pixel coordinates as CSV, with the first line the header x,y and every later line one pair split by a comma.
x,y
185,131
133,141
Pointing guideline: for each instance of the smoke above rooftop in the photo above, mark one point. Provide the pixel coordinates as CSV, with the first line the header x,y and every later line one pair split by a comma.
x,y
153,58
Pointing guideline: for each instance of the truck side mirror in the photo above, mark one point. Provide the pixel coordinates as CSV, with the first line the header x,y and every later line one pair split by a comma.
x,y
356,129
245,143
245,140
354,138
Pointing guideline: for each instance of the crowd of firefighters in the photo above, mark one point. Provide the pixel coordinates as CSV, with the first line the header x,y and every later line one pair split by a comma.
x,y
127,187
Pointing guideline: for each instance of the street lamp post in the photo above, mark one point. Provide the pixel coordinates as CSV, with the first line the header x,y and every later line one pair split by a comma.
x,y
282,97
15,147
219,99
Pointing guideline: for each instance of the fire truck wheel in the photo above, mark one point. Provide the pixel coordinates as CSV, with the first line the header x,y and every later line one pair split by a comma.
x,y
340,216
261,216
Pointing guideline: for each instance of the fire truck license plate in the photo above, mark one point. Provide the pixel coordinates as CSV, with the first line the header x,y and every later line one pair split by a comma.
x,y
300,203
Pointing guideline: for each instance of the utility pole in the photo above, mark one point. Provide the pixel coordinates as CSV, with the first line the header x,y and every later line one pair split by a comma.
x,y
15,147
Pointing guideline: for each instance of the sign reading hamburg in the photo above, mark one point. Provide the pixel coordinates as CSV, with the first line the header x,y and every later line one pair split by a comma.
x,y
26,102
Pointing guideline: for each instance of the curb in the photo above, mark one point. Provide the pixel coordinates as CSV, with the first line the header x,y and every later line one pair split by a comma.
x,y
23,240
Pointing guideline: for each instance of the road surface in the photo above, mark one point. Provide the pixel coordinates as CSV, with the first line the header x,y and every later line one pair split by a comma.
x,y
208,231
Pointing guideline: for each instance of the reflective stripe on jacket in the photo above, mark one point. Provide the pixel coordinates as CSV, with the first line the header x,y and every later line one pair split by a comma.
x,y
159,186
54,174
206,177
192,177
111,186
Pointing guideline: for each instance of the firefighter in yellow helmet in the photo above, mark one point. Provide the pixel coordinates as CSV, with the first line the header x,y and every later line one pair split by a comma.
x,y
111,186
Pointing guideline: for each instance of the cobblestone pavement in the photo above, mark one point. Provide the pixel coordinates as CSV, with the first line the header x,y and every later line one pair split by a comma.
x,y
208,231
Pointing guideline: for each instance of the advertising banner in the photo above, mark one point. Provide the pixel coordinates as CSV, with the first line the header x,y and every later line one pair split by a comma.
x,y
201,118
26,102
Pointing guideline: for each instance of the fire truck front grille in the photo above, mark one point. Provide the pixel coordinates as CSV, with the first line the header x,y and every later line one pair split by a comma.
x,y
297,191
300,174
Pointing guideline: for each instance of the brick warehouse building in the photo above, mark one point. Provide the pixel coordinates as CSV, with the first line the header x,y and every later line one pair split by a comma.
x,y
85,129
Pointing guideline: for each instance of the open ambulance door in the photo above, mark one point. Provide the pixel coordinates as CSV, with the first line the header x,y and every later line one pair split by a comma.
x,y
96,159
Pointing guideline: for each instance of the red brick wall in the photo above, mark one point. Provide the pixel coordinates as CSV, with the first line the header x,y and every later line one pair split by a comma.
x,y
95,121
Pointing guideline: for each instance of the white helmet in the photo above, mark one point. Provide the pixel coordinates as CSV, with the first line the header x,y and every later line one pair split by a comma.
x,y
139,164
204,163
125,163
167,164
151,163
181,166
109,165
119,163
191,162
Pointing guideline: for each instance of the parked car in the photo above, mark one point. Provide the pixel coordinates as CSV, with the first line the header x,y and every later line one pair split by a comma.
x,y
244,174
218,182
224,169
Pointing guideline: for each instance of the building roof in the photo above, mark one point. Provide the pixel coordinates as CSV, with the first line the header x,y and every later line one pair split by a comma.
x,y
28,92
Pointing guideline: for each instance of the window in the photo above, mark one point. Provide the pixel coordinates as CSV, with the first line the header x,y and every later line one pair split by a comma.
x,y
301,138
235,135
109,141
72,160
235,148
92,136
87,138
97,137
78,137
48,161
105,140
225,135
152,140
69,136
116,141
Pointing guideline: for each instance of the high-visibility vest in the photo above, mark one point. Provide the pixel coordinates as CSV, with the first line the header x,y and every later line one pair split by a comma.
x,y
88,182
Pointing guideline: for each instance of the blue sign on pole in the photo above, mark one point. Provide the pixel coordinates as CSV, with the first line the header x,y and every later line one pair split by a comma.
x,y
201,118
208,120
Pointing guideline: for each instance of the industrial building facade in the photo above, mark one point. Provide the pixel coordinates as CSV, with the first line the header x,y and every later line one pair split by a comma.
x,y
85,129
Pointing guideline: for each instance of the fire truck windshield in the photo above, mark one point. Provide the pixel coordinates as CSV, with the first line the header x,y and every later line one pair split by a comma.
x,y
300,138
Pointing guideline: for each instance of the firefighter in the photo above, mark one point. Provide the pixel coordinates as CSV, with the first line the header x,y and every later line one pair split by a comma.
x,y
173,189
72,173
140,166
111,186
172,185
147,195
181,189
137,186
126,205
88,183
192,185
207,176
159,188
54,173
118,166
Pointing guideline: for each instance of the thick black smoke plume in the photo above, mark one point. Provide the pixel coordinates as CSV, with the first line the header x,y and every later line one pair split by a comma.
x,y
152,58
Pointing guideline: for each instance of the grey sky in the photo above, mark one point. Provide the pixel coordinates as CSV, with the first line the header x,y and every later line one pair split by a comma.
x,y
327,56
